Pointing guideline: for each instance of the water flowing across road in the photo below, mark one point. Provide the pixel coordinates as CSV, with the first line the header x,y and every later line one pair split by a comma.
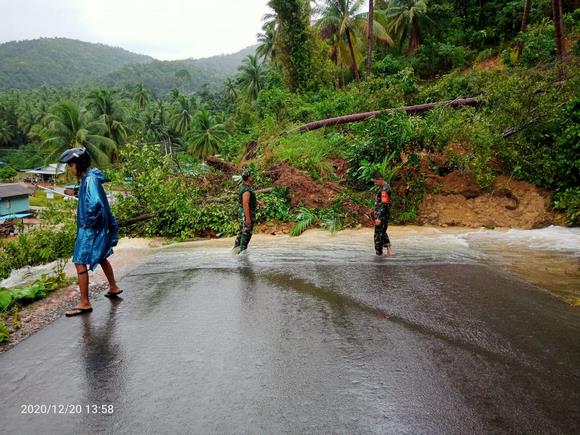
x,y
458,333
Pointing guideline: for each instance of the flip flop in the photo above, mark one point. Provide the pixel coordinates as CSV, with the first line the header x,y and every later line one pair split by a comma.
x,y
113,295
78,311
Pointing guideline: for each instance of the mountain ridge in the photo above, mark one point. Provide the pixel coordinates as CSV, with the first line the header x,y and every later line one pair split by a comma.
x,y
62,62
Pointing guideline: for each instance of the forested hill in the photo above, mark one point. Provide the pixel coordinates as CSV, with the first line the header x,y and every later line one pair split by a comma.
x,y
65,62
189,75
59,62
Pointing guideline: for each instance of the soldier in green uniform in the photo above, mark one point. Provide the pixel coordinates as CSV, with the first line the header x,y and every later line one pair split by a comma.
x,y
382,215
246,212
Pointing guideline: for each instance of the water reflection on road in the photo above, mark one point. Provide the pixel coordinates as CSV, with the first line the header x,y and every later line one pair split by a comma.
x,y
316,334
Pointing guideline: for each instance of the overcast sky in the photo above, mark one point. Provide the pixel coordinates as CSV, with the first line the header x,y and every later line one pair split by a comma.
x,y
164,29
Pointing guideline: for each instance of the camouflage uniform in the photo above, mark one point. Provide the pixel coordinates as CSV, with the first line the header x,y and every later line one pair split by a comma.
x,y
245,233
383,213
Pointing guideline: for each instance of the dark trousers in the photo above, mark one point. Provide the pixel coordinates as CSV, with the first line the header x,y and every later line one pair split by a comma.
x,y
244,235
381,236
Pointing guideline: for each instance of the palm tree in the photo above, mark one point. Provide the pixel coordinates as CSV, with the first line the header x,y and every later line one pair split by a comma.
x,y
342,19
371,19
251,76
6,133
102,102
267,39
231,89
404,18
141,96
206,137
183,116
67,126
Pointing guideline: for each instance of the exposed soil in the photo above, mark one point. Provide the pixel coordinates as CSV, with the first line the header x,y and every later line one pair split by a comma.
x,y
304,190
457,200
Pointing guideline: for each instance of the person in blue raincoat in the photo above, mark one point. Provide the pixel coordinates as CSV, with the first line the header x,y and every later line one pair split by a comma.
x,y
96,227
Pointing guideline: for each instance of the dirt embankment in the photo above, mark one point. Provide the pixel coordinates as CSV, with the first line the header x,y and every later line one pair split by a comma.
x,y
457,200
454,199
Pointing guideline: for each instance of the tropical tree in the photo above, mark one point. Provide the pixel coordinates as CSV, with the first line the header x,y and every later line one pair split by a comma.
x,y
525,19
251,76
141,96
6,133
68,126
370,36
231,89
267,39
184,114
207,135
342,21
103,104
295,43
559,28
404,20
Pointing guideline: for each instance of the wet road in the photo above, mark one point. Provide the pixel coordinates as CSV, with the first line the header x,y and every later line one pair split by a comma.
x,y
321,339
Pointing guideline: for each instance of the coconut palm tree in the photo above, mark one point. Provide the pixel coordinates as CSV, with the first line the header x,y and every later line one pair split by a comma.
x,y
343,20
267,39
404,17
67,126
103,104
251,76
231,89
207,135
6,133
183,116
141,96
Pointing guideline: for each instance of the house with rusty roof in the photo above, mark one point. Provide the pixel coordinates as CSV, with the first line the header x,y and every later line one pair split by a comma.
x,y
14,201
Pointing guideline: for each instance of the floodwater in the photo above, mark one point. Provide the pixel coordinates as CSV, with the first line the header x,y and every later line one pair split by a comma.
x,y
458,333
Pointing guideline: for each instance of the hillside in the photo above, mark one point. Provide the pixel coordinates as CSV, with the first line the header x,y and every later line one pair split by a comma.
x,y
59,62
161,75
65,62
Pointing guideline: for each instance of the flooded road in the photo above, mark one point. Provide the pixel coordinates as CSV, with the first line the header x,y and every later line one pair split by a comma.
x,y
317,335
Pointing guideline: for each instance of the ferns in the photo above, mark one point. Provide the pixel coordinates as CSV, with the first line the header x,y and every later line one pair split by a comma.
x,y
330,219
304,220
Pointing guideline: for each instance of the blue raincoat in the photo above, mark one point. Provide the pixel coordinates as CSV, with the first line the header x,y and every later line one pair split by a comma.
x,y
96,226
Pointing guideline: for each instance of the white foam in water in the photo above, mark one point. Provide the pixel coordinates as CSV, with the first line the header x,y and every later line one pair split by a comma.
x,y
555,239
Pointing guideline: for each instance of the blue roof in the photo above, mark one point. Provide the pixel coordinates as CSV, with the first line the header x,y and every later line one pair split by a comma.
x,y
16,216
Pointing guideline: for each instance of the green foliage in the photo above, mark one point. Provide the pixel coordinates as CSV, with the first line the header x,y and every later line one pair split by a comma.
x,y
7,174
538,43
568,201
294,42
4,332
5,299
330,219
311,151
276,206
386,168
38,246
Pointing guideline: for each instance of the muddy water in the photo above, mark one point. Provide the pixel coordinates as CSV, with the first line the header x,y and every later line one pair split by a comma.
x,y
317,335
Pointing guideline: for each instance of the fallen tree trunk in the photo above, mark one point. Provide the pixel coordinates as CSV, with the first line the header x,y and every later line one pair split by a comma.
x,y
221,165
137,219
357,117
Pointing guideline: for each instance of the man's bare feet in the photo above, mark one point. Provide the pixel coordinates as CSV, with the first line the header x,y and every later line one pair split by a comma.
x,y
78,310
390,252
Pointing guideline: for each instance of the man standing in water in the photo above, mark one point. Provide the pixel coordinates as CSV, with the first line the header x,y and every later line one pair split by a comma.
x,y
96,227
382,215
246,212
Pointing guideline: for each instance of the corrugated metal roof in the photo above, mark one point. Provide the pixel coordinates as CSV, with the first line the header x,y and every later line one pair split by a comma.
x,y
12,190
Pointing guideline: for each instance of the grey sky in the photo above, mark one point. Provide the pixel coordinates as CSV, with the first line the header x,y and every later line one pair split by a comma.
x,y
165,29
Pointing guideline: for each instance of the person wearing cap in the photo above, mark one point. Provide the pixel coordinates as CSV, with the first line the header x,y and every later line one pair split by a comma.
x,y
96,227
382,215
246,212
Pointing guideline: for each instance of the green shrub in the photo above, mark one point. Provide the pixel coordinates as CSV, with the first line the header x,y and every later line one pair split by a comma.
x,y
38,246
7,174
568,201
539,44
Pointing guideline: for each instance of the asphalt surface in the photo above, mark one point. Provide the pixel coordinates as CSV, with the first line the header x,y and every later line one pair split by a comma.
x,y
323,339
